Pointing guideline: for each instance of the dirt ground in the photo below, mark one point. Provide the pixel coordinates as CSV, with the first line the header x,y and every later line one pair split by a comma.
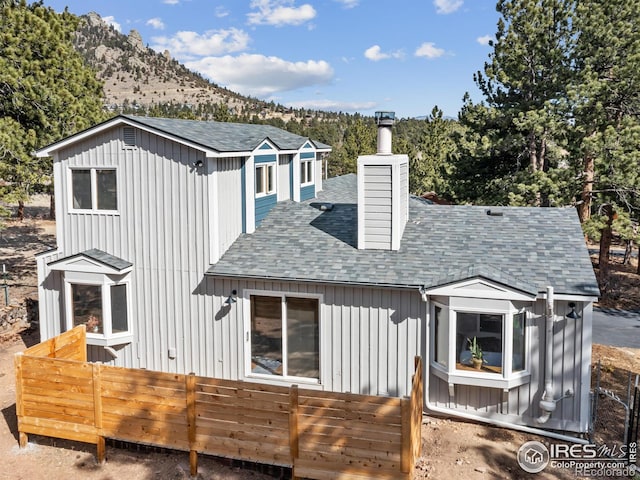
x,y
451,448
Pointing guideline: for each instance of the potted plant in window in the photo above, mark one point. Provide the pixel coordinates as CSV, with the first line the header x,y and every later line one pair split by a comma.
x,y
93,324
476,353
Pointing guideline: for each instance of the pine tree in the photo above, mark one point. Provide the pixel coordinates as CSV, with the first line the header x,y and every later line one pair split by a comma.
x,y
607,109
520,127
430,167
46,93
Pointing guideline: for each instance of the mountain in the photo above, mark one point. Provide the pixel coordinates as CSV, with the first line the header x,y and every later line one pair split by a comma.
x,y
138,78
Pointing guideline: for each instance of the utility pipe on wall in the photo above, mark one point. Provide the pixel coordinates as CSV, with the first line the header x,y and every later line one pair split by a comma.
x,y
547,403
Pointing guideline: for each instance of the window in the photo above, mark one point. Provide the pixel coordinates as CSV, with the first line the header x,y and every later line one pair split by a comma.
x,y
87,307
285,340
441,337
103,309
500,335
518,350
94,189
486,329
306,172
265,179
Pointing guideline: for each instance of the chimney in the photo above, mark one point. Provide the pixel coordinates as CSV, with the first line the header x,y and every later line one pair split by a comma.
x,y
383,192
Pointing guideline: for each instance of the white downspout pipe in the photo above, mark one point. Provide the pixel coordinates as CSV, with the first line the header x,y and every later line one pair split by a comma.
x,y
547,403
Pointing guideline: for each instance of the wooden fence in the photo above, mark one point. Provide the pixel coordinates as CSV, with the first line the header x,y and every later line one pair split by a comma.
x,y
321,435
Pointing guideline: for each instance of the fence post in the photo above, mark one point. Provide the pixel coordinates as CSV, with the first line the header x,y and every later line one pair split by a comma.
x,y
417,398
190,383
23,439
293,427
83,343
406,430
97,412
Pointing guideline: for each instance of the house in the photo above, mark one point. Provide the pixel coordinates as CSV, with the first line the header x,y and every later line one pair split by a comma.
x,y
218,249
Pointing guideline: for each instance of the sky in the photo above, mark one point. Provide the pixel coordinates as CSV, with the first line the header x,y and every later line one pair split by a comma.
x,y
362,56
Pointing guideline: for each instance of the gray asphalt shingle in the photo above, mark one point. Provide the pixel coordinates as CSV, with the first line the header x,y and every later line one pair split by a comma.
x,y
99,256
225,137
525,248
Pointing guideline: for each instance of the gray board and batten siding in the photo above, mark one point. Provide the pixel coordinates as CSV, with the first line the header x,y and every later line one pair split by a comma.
x,y
163,227
181,228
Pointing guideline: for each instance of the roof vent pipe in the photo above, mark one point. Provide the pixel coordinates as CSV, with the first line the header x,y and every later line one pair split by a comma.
x,y
385,121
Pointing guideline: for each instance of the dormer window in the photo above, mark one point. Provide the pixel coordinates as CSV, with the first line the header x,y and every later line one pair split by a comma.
x,y
306,172
265,179
94,189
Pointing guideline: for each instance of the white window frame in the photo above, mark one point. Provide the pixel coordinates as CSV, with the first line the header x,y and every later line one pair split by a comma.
x,y
270,173
94,190
280,379
307,166
105,282
452,375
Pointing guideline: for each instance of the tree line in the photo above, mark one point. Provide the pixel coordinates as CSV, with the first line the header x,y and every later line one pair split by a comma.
x,y
557,124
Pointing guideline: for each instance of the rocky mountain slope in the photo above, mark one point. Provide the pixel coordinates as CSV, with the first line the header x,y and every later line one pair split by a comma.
x,y
136,77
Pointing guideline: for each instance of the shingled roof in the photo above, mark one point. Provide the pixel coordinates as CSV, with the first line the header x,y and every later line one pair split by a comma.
x,y
525,248
226,137
220,137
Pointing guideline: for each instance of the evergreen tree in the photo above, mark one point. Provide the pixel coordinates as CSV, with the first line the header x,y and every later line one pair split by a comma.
x,y
517,136
607,109
430,165
46,93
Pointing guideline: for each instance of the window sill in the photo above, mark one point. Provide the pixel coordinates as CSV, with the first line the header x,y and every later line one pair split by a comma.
x,y
278,380
480,378
102,341
89,211
262,195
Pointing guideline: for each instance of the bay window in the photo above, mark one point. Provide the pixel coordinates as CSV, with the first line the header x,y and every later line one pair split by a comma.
x,y
496,328
101,305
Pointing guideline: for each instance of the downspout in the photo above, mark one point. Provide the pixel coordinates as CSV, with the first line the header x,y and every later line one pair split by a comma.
x,y
431,409
547,403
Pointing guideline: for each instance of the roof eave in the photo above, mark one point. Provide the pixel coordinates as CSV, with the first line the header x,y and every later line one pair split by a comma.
x,y
310,280
121,120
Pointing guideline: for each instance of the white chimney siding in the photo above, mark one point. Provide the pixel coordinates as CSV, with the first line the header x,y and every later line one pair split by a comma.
x,y
383,192
383,200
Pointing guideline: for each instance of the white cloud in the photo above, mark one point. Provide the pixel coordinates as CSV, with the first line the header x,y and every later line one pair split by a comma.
x,y
447,6
349,3
280,12
429,50
261,76
221,12
332,105
375,54
111,20
484,40
156,23
171,2
188,45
